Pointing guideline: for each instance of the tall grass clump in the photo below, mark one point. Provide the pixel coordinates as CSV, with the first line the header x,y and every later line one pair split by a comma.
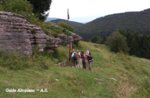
x,y
15,61
17,6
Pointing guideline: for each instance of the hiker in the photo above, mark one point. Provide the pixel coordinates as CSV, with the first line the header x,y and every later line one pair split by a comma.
x,y
83,57
87,52
90,60
74,57
70,51
79,65
69,55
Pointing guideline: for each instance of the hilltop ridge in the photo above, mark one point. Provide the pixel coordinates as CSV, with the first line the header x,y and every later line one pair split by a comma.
x,y
103,26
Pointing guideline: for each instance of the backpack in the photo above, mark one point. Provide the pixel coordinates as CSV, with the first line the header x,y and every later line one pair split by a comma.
x,y
74,55
90,58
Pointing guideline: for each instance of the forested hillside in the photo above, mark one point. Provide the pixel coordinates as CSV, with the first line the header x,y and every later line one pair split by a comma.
x,y
130,22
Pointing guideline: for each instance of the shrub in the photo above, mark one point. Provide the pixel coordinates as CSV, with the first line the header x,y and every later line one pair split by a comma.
x,y
18,6
22,7
97,39
117,42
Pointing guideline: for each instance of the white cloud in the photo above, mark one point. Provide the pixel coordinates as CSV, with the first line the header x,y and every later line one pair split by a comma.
x,y
94,8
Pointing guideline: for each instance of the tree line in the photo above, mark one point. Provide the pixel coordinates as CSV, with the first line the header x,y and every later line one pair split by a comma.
x,y
137,44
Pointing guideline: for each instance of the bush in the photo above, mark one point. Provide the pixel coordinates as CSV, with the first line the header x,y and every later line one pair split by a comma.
x,y
97,39
18,6
15,61
22,7
117,42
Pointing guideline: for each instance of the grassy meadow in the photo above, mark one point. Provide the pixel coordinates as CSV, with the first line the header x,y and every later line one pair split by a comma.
x,y
112,75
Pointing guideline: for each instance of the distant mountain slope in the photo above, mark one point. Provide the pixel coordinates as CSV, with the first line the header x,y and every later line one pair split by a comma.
x,y
132,21
135,21
51,19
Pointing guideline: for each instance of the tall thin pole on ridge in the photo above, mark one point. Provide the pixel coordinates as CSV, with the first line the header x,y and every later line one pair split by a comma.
x,y
68,16
69,43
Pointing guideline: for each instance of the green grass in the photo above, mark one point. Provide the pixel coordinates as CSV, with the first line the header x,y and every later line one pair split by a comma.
x,y
112,75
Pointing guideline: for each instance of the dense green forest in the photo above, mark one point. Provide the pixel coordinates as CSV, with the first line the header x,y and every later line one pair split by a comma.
x,y
137,44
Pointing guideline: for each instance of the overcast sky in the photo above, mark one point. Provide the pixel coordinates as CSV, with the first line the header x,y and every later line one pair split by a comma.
x,y
87,10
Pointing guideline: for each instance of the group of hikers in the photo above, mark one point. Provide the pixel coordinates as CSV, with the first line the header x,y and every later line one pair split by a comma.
x,y
81,59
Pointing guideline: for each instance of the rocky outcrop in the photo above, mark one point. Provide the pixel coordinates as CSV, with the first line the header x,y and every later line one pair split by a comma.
x,y
18,35
76,37
69,39
52,43
62,39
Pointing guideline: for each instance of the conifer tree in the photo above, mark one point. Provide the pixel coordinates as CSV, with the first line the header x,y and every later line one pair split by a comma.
x,y
40,7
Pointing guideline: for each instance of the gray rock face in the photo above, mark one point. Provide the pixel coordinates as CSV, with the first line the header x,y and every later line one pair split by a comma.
x,y
69,39
18,35
76,37
52,43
